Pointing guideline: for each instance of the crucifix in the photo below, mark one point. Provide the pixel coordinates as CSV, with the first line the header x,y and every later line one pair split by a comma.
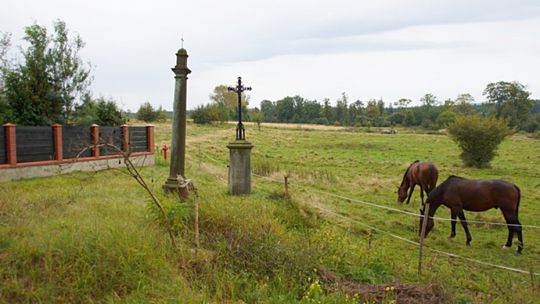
x,y
239,89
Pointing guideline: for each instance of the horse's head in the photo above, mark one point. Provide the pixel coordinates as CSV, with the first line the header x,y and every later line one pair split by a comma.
x,y
402,193
429,224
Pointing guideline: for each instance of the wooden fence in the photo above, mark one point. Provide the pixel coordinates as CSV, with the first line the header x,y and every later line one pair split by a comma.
x,y
22,146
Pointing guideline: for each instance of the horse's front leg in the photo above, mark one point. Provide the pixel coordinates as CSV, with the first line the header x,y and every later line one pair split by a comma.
x,y
422,194
465,226
454,214
410,193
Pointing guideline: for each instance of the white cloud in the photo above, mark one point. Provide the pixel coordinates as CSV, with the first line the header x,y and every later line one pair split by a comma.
x,y
367,48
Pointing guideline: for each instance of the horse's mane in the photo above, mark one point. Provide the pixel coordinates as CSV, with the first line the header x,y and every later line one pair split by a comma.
x,y
407,171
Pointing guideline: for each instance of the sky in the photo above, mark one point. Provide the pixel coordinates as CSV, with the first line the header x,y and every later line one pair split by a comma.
x,y
316,49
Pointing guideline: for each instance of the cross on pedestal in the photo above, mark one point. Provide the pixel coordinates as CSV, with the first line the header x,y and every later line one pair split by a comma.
x,y
239,89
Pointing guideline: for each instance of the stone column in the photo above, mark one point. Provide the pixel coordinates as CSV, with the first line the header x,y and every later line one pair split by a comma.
x,y
240,167
178,149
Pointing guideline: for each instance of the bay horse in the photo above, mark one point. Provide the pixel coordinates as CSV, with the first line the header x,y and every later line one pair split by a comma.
x,y
458,194
424,174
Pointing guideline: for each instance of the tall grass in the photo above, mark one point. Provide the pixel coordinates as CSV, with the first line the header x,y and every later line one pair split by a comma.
x,y
94,237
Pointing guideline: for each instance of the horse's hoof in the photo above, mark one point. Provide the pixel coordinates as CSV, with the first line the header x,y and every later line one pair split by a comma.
x,y
519,250
506,247
452,235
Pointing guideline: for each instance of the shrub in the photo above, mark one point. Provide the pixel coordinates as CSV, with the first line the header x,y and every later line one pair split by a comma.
x,y
206,114
478,138
147,113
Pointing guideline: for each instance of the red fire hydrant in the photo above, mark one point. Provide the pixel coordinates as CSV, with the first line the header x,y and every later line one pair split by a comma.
x,y
165,148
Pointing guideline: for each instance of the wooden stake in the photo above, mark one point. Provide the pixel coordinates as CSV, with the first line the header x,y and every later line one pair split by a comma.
x,y
196,218
422,235
286,186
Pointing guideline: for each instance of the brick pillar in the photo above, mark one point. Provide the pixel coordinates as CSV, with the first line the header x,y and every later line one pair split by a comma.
x,y
125,137
58,144
94,135
150,138
11,144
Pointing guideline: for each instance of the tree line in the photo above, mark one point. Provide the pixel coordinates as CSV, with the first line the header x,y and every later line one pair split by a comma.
x,y
508,101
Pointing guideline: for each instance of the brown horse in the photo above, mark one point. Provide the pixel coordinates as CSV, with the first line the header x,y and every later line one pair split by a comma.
x,y
460,194
424,174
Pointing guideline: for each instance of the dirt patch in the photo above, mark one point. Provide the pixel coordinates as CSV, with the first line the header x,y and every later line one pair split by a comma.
x,y
400,293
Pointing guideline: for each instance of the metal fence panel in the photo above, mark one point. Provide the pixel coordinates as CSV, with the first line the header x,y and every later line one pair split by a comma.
x,y
110,136
76,142
138,139
3,155
34,144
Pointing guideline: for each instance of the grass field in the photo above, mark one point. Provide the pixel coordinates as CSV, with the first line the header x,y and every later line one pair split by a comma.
x,y
94,237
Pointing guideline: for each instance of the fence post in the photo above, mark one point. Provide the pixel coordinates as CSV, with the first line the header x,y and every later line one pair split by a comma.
x,y
125,137
58,143
150,138
286,177
94,135
422,235
11,144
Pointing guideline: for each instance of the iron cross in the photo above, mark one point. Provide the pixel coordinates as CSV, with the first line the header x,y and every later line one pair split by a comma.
x,y
239,89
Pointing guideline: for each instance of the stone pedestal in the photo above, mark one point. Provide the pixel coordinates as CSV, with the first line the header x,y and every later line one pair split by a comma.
x,y
240,167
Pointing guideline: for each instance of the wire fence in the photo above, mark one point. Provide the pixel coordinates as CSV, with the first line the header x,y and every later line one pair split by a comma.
x,y
395,236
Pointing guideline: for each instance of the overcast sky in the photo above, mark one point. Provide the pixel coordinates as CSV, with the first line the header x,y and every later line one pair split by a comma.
x,y
368,49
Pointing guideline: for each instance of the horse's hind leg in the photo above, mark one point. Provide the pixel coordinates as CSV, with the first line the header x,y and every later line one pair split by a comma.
x,y
422,194
465,226
454,214
519,235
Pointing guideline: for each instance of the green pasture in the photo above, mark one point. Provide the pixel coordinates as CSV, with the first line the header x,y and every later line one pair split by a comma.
x,y
94,237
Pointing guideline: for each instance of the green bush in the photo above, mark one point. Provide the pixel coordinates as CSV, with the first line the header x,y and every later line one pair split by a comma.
x,y
147,113
478,138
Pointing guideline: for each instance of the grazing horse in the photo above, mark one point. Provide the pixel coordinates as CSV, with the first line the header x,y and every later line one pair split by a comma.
x,y
460,194
424,174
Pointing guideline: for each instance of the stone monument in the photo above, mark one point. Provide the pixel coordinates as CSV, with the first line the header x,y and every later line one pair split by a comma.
x,y
240,151
178,149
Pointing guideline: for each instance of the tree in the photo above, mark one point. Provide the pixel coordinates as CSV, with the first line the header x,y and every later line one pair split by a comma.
x,y
44,88
257,116
478,137
228,101
342,115
205,114
356,113
403,103
463,104
511,101
328,111
285,109
446,118
147,113
101,111
5,110
269,109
